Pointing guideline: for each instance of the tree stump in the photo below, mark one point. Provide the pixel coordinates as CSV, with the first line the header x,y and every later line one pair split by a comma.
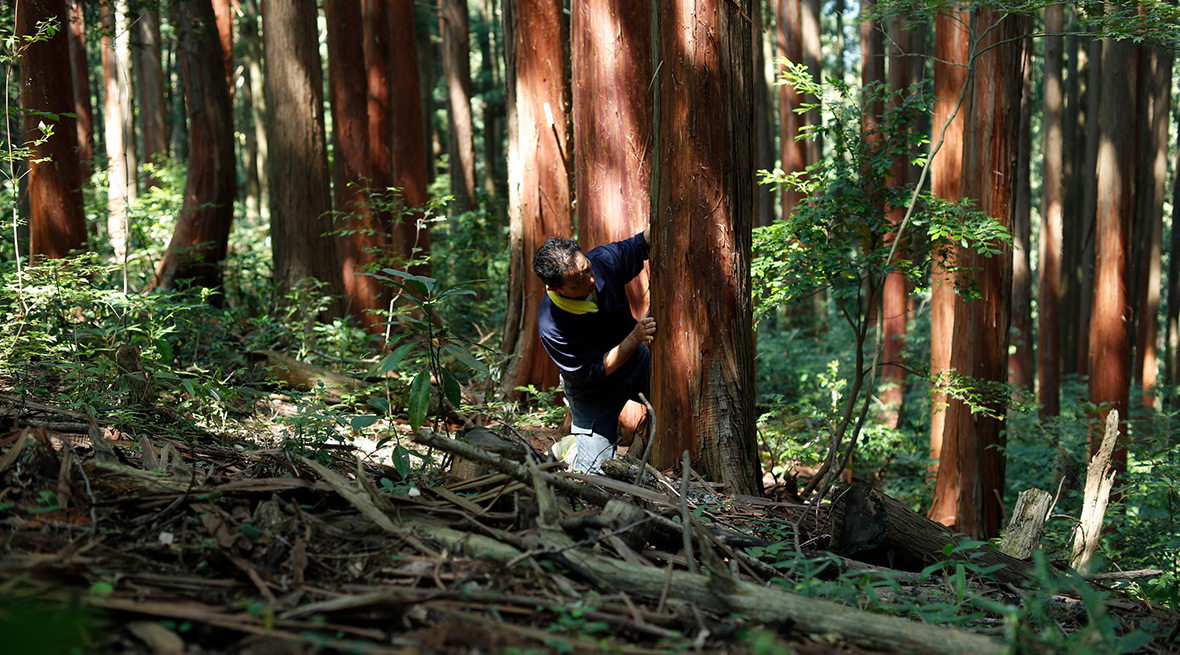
x,y
1027,524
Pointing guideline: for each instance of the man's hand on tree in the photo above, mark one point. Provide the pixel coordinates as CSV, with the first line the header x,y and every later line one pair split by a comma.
x,y
644,330
641,333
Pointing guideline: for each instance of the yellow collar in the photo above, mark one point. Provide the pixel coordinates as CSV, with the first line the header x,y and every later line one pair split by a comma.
x,y
574,306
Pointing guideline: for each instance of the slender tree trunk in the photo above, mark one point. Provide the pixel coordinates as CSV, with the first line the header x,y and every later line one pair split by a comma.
x,y
80,74
1153,173
794,150
703,212
1052,187
408,162
362,245
1020,363
951,52
377,32
894,294
201,238
225,35
1095,79
1172,326
539,161
1074,140
764,110
117,127
253,135
1110,330
457,70
153,123
809,11
57,225
300,184
971,471
611,118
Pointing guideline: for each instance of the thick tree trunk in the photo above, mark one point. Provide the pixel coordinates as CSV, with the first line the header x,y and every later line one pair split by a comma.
x,y
950,74
362,246
300,185
1074,146
201,237
457,70
408,163
703,211
894,293
794,150
377,32
539,193
1110,330
1153,173
117,124
1087,263
1052,186
152,113
1172,326
611,116
809,12
970,484
1020,362
57,225
80,74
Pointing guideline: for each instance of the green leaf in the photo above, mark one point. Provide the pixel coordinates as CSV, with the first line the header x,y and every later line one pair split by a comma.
x,y
465,356
252,533
419,399
392,360
1134,640
102,589
379,403
363,421
401,462
451,389
165,350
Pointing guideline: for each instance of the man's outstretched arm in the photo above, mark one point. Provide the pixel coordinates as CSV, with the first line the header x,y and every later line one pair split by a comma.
x,y
617,356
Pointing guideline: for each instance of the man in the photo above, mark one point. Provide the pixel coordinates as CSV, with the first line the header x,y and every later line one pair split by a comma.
x,y
588,330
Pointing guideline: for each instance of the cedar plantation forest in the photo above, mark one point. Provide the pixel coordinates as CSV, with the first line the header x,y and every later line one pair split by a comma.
x,y
271,380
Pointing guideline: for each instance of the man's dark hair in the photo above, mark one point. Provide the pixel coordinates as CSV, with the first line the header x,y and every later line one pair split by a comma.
x,y
554,259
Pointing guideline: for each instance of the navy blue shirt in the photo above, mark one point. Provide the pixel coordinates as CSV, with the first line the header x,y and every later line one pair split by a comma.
x,y
578,342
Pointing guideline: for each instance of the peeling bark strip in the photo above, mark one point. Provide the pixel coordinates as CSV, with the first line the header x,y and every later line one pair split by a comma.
x,y
57,223
703,195
539,193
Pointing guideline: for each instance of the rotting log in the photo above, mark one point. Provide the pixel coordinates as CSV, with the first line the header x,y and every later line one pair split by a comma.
x,y
1027,524
729,596
872,527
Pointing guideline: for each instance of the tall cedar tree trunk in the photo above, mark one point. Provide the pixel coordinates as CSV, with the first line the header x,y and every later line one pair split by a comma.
x,y
1153,173
872,73
1053,188
764,145
951,52
300,186
56,222
794,150
457,70
1119,121
363,243
539,193
201,237
1020,362
1074,140
894,296
377,26
809,11
224,16
152,114
253,143
117,126
408,162
970,485
1086,267
703,212
80,74
612,109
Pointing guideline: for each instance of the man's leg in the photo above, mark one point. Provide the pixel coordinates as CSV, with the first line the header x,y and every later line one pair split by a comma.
x,y
595,426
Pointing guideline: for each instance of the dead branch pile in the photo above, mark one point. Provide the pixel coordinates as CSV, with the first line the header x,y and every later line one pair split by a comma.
x,y
189,547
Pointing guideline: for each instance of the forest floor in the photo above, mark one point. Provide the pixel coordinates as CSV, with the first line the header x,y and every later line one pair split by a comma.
x,y
165,544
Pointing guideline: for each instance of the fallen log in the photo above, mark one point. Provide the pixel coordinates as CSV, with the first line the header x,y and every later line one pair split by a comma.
x,y
871,527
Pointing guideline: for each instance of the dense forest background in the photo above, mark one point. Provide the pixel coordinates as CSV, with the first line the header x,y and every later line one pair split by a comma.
x,y
924,246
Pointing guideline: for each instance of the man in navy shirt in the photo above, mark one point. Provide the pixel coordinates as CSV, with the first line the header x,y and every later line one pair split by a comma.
x,y
588,330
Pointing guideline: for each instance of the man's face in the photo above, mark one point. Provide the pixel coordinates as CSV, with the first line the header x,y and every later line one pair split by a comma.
x,y
579,281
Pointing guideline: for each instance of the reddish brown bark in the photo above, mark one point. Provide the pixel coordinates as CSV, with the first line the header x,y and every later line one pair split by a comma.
x,y
377,26
894,293
1053,186
300,184
809,23
363,243
950,74
611,110
225,36
539,193
970,485
794,150
408,160
457,70
57,225
1086,254
1110,329
200,239
703,212
1020,362
80,74
153,124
